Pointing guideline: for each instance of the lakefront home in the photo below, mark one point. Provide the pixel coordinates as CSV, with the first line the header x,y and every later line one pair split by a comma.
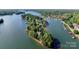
x,y
76,26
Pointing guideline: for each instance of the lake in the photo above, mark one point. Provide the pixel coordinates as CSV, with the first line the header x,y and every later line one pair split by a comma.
x,y
14,36
56,28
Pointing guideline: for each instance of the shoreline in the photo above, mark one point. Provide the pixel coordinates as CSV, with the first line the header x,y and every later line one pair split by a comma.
x,y
70,30
37,41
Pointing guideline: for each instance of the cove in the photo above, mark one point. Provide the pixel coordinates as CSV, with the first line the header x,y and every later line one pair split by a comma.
x,y
13,34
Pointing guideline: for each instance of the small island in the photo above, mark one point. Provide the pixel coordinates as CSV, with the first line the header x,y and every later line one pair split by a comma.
x,y
36,29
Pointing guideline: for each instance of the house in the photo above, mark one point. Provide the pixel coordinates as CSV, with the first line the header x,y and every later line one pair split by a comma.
x,y
76,26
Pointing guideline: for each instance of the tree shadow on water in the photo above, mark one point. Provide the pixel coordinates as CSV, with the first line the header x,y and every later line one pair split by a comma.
x,y
55,44
47,23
